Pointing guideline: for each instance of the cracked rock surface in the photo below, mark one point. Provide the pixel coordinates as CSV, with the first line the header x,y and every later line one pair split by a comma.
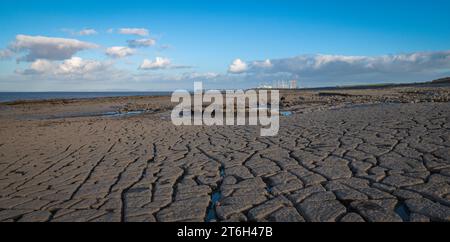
x,y
384,162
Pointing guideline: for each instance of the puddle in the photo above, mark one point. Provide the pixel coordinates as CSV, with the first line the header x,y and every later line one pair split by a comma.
x,y
286,113
268,186
215,197
83,115
402,210
363,105
212,215
121,114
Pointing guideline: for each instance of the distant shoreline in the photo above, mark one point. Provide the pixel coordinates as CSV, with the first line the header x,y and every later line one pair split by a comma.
x,y
13,98
26,97
444,82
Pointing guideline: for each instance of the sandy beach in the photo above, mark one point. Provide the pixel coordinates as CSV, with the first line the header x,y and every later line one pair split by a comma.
x,y
380,154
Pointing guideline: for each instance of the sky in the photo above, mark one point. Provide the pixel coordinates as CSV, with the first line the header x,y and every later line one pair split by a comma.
x,y
165,45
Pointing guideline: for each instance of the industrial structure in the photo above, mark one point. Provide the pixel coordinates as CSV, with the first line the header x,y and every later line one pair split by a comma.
x,y
280,84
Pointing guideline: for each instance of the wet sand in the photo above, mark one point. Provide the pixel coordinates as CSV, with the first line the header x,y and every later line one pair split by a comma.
x,y
343,155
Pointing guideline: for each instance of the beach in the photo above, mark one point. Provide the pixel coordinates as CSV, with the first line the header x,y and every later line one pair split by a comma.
x,y
344,155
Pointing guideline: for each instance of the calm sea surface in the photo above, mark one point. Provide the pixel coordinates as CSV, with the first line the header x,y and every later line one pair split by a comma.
x,y
14,96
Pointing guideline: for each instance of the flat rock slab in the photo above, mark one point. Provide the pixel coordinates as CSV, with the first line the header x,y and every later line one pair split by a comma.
x,y
385,162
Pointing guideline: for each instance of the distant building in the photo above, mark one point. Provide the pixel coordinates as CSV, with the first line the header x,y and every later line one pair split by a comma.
x,y
262,85
279,84
293,84
265,86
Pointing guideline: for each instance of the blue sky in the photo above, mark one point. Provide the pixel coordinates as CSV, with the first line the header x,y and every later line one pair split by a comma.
x,y
227,44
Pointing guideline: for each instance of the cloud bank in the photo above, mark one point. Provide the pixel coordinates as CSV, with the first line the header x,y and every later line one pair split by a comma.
x,y
321,68
48,48
134,31
348,65
74,65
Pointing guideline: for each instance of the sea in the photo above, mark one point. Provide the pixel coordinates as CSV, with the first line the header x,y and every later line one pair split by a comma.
x,y
22,96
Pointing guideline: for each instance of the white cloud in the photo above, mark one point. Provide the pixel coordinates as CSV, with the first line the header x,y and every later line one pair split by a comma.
x,y
83,32
134,31
74,65
263,64
119,51
80,66
158,63
41,47
87,32
238,66
40,66
141,43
